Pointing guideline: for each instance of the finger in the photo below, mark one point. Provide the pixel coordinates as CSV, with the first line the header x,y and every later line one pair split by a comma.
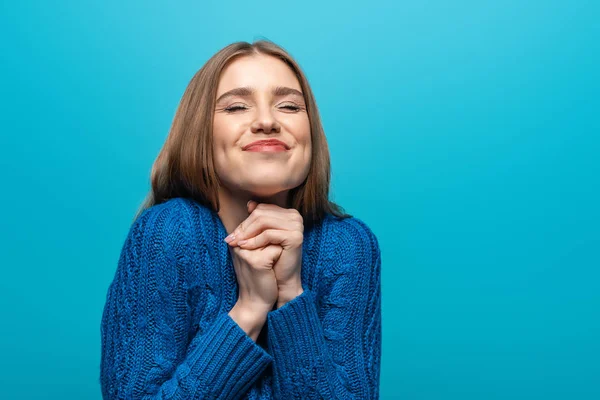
x,y
251,206
274,209
254,226
286,239
259,224
263,209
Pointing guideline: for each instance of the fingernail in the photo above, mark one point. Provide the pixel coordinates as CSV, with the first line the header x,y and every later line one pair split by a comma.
x,y
230,238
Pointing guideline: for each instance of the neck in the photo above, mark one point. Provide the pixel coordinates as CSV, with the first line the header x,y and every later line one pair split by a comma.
x,y
233,209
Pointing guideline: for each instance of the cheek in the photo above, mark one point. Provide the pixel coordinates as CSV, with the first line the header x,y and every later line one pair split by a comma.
x,y
303,137
220,130
221,145
302,131
224,134
307,141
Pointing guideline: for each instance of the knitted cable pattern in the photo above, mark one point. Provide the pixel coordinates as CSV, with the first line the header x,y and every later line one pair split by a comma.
x,y
166,332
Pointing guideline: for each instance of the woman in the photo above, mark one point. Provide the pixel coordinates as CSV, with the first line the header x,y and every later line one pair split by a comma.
x,y
239,278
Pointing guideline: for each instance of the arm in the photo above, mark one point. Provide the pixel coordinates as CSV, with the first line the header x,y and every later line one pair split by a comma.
x,y
146,352
335,351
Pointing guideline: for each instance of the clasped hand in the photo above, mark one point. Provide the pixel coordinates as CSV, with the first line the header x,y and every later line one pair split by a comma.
x,y
269,224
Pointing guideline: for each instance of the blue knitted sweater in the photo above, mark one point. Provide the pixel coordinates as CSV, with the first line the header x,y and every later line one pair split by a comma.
x,y
166,332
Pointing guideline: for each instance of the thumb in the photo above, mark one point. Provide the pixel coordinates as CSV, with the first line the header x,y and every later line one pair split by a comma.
x,y
251,205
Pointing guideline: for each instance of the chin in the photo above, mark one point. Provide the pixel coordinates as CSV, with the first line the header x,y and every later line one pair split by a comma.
x,y
264,190
268,187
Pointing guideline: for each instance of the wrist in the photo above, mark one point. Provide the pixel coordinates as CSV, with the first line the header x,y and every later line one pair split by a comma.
x,y
288,294
251,312
250,319
293,285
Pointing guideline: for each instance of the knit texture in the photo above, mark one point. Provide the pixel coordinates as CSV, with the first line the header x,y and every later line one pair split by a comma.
x,y
166,332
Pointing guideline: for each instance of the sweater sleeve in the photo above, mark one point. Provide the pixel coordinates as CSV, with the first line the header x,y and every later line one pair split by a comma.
x,y
148,351
333,351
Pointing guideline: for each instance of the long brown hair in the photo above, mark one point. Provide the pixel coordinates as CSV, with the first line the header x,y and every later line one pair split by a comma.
x,y
184,167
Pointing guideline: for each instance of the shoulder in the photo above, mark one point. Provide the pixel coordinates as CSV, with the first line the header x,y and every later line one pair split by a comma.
x,y
165,225
352,235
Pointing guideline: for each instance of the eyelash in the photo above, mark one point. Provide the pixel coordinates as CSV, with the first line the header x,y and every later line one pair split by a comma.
x,y
235,108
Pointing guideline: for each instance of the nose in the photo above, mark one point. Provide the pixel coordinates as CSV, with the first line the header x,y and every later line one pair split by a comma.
x,y
265,122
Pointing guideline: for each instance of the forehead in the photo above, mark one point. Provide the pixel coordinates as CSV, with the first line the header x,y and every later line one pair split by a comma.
x,y
259,71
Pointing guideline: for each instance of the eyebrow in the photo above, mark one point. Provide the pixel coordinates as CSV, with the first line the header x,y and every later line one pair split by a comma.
x,y
246,91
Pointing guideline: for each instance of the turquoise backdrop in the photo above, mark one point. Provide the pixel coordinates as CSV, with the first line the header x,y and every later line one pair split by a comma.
x,y
465,133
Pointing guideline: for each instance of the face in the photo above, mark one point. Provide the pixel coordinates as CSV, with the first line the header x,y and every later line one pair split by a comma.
x,y
260,98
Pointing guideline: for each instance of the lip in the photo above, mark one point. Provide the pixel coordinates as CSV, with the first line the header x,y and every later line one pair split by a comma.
x,y
266,143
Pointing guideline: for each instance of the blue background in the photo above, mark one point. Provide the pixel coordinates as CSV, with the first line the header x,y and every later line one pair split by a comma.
x,y
465,133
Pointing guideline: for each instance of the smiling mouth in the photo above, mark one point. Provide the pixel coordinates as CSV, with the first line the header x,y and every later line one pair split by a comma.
x,y
267,148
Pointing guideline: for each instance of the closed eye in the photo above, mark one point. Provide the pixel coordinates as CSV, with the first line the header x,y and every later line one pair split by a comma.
x,y
291,107
235,108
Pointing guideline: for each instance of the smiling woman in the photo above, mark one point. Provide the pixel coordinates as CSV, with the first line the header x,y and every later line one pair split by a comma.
x,y
261,88
239,278
259,99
